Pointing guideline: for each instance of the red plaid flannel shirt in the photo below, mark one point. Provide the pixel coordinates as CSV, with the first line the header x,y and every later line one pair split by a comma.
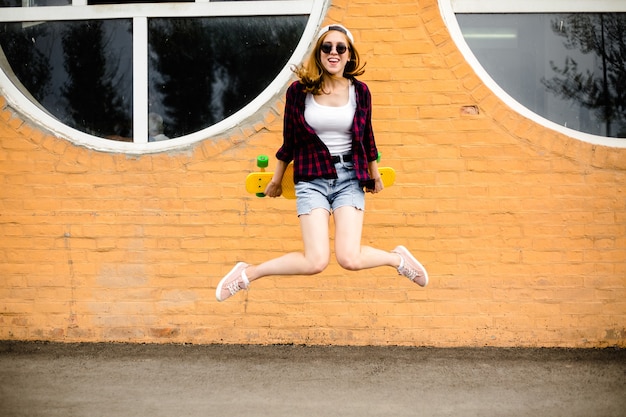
x,y
311,157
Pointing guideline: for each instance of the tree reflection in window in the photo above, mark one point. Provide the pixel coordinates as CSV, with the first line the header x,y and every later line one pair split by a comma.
x,y
94,68
29,64
203,70
604,90
568,68
80,72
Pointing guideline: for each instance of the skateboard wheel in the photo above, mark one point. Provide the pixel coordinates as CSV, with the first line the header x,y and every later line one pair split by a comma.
x,y
261,195
262,161
380,155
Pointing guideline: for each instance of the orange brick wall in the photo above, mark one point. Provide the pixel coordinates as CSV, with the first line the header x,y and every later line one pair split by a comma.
x,y
523,230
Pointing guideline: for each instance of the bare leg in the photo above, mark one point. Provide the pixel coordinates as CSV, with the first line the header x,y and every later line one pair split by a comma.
x,y
316,254
351,255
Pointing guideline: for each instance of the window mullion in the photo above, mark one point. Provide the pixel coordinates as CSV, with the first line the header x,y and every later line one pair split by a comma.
x,y
140,79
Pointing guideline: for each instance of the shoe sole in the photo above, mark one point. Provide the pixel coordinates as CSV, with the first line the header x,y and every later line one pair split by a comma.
x,y
408,254
218,290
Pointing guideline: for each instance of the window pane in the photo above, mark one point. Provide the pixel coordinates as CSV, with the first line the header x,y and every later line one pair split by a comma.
x,y
569,68
202,70
80,72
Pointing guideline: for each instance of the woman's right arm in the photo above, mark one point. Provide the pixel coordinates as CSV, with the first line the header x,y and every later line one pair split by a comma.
x,y
274,188
285,153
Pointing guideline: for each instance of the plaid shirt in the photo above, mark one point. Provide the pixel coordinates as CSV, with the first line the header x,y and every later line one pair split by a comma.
x,y
311,157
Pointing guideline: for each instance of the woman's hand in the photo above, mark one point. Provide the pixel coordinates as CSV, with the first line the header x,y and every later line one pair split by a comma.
x,y
274,189
375,175
378,185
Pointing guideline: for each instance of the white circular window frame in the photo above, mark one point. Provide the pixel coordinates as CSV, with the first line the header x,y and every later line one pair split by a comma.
x,y
448,9
140,13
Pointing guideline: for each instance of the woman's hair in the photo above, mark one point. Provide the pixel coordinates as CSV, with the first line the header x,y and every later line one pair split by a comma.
x,y
311,71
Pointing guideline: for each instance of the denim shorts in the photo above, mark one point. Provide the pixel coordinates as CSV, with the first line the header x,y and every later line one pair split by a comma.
x,y
330,194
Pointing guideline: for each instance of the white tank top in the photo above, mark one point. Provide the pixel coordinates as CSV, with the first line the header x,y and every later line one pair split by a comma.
x,y
333,125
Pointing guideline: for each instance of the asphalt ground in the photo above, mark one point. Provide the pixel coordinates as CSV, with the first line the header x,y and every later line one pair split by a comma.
x,y
111,380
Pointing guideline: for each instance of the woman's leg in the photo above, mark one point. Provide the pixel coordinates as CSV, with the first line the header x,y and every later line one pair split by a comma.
x,y
350,254
314,228
353,256
314,260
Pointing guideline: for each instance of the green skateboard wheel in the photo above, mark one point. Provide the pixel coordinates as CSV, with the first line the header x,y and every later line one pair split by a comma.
x,y
262,161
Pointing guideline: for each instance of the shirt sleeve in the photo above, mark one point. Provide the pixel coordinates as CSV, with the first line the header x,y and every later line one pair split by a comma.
x,y
369,143
286,151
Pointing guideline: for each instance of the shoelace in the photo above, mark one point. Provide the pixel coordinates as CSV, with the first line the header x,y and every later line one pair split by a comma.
x,y
408,272
233,287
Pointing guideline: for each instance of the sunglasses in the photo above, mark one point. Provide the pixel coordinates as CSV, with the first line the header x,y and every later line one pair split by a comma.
x,y
327,47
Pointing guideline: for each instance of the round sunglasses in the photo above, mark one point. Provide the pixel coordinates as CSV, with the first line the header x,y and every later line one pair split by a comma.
x,y
327,47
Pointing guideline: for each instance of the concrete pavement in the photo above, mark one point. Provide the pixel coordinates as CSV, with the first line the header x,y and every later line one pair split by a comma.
x,y
114,380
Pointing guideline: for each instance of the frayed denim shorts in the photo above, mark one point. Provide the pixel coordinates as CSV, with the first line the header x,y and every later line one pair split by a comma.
x,y
331,194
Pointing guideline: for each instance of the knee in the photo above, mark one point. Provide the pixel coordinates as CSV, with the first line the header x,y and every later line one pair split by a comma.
x,y
317,265
350,263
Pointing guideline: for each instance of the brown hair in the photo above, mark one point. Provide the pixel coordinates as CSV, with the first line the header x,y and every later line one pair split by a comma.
x,y
311,72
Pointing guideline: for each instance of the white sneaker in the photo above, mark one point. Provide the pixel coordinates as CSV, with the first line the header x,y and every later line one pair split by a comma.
x,y
232,282
410,267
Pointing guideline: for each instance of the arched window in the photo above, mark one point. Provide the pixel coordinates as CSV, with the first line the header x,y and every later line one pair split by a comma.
x,y
137,76
559,62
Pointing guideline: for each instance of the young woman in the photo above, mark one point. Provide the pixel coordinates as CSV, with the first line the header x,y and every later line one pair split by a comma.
x,y
328,136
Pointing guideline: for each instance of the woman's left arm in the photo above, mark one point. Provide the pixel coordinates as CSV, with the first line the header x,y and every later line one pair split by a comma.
x,y
370,144
375,175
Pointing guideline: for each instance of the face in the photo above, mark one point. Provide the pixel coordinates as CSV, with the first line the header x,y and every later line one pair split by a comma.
x,y
334,62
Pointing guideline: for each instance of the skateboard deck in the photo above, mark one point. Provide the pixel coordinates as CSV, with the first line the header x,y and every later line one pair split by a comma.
x,y
256,182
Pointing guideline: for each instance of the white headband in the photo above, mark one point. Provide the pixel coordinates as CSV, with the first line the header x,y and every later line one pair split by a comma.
x,y
338,28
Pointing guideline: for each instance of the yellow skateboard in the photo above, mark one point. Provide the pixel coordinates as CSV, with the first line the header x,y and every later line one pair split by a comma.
x,y
256,182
